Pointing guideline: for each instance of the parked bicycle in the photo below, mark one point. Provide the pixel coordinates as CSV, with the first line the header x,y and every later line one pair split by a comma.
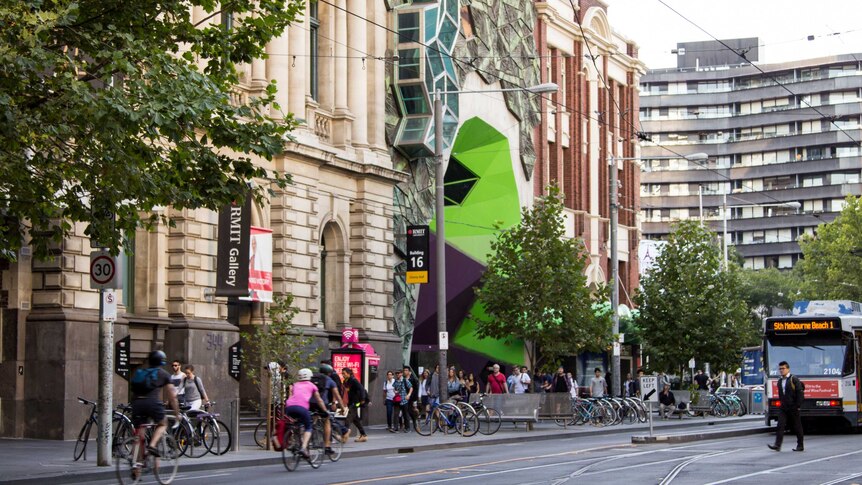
x,y
134,461
489,418
445,417
276,415
120,424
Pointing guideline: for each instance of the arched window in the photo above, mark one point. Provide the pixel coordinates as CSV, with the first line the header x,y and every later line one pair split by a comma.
x,y
333,276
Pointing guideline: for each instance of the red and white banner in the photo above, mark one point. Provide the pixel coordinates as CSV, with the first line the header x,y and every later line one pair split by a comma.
x,y
813,389
260,265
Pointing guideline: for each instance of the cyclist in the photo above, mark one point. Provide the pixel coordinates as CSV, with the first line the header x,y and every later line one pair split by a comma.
x,y
328,391
149,388
298,403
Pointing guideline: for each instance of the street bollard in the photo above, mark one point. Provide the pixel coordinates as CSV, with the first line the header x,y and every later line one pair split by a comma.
x,y
234,424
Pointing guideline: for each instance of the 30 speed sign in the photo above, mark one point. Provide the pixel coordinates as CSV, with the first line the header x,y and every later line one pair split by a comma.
x,y
104,273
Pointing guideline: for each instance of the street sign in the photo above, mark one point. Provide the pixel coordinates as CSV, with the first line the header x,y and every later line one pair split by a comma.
x,y
103,271
109,306
417,254
122,353
444,340
649,383
617,347
691,363
234,360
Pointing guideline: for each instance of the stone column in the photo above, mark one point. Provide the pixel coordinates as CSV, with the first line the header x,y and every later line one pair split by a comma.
x,y
341,123
357,74
278,69
377,80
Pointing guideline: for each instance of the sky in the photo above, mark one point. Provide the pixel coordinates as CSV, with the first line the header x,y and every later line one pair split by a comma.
x,y
782,26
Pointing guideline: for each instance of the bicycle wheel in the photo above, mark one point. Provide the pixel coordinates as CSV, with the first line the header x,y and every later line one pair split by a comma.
x,y
450,419
223,440
315,447
202,437
125,461
260,433
490,421
290,450
471,422
183,439
165,467
81,444
335,443
123,430
426,423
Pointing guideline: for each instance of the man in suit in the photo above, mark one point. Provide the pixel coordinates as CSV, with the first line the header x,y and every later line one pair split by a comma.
x,y
790,396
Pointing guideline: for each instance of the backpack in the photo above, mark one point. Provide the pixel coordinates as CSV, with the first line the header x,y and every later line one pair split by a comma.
x,y
793,381
364,400
319,380
145,380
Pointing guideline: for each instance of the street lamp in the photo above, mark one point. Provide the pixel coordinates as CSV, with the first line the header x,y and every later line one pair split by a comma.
x,y
615,259
792,205
440,246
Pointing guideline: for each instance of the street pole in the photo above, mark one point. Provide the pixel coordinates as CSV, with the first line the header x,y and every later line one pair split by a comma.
x,y
700,203
440,245
615,288
106,365
724,230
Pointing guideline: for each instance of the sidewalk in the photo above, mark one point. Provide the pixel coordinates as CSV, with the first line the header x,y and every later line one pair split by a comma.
x,y
38,461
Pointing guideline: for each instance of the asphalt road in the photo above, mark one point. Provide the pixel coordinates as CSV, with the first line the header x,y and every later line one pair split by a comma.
x,y
830,458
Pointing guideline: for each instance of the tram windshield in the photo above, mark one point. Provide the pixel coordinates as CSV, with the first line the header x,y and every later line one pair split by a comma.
x,y
810,357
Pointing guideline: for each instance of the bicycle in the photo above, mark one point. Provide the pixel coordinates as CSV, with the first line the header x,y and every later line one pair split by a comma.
x,y
132,465
260,430
120,424
490,419
193,439
446,417
206,430
291,451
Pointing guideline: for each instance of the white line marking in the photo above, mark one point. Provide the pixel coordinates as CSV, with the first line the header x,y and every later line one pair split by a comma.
x,y
826,458
842,479
677,469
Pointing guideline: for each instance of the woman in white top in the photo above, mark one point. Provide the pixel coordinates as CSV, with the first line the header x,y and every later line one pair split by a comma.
x,y
423,390
388,396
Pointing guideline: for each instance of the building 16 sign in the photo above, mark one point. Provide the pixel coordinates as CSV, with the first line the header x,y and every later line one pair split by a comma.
x,y
417,254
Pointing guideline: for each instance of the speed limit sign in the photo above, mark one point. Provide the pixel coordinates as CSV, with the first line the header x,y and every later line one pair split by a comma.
x,y
104,273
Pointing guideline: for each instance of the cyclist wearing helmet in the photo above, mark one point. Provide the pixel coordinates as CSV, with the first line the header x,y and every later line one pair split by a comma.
x,y
329,393
148,396
298,403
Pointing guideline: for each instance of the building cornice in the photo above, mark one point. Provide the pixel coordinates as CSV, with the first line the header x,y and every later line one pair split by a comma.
x,y
331,159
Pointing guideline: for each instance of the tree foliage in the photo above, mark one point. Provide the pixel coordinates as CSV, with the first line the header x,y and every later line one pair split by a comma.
x,y
534,287
831,266
120,107
278,341
689,307
764,289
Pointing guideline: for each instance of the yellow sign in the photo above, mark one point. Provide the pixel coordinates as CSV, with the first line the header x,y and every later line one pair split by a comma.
x,y
415,277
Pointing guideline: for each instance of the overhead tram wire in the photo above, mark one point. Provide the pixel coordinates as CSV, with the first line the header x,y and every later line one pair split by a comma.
x,y
551,101
773,78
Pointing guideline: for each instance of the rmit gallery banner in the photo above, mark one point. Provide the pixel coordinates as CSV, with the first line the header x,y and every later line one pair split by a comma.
x,y
234,222
260,265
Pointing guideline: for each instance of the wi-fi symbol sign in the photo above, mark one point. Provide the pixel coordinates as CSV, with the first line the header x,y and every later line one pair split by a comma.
x,y
349,334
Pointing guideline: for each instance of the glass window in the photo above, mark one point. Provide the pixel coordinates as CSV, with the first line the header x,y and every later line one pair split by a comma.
x,y
808,356
408,27
414,129
313,46
408,64
414,99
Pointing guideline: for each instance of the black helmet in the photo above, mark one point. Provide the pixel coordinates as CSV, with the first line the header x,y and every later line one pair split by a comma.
x,y
157,358
326,369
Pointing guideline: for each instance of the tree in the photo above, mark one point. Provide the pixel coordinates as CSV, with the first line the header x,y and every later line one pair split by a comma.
x,y
764,289
534,288
831,266
689,307
279,341
114,107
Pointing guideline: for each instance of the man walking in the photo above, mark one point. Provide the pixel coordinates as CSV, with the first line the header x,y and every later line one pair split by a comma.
x,y
791,392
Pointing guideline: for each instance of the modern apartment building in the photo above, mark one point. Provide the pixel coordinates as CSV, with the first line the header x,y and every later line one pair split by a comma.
x,y
782,142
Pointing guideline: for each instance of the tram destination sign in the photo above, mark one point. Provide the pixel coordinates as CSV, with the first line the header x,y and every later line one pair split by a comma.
x,y
814,325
